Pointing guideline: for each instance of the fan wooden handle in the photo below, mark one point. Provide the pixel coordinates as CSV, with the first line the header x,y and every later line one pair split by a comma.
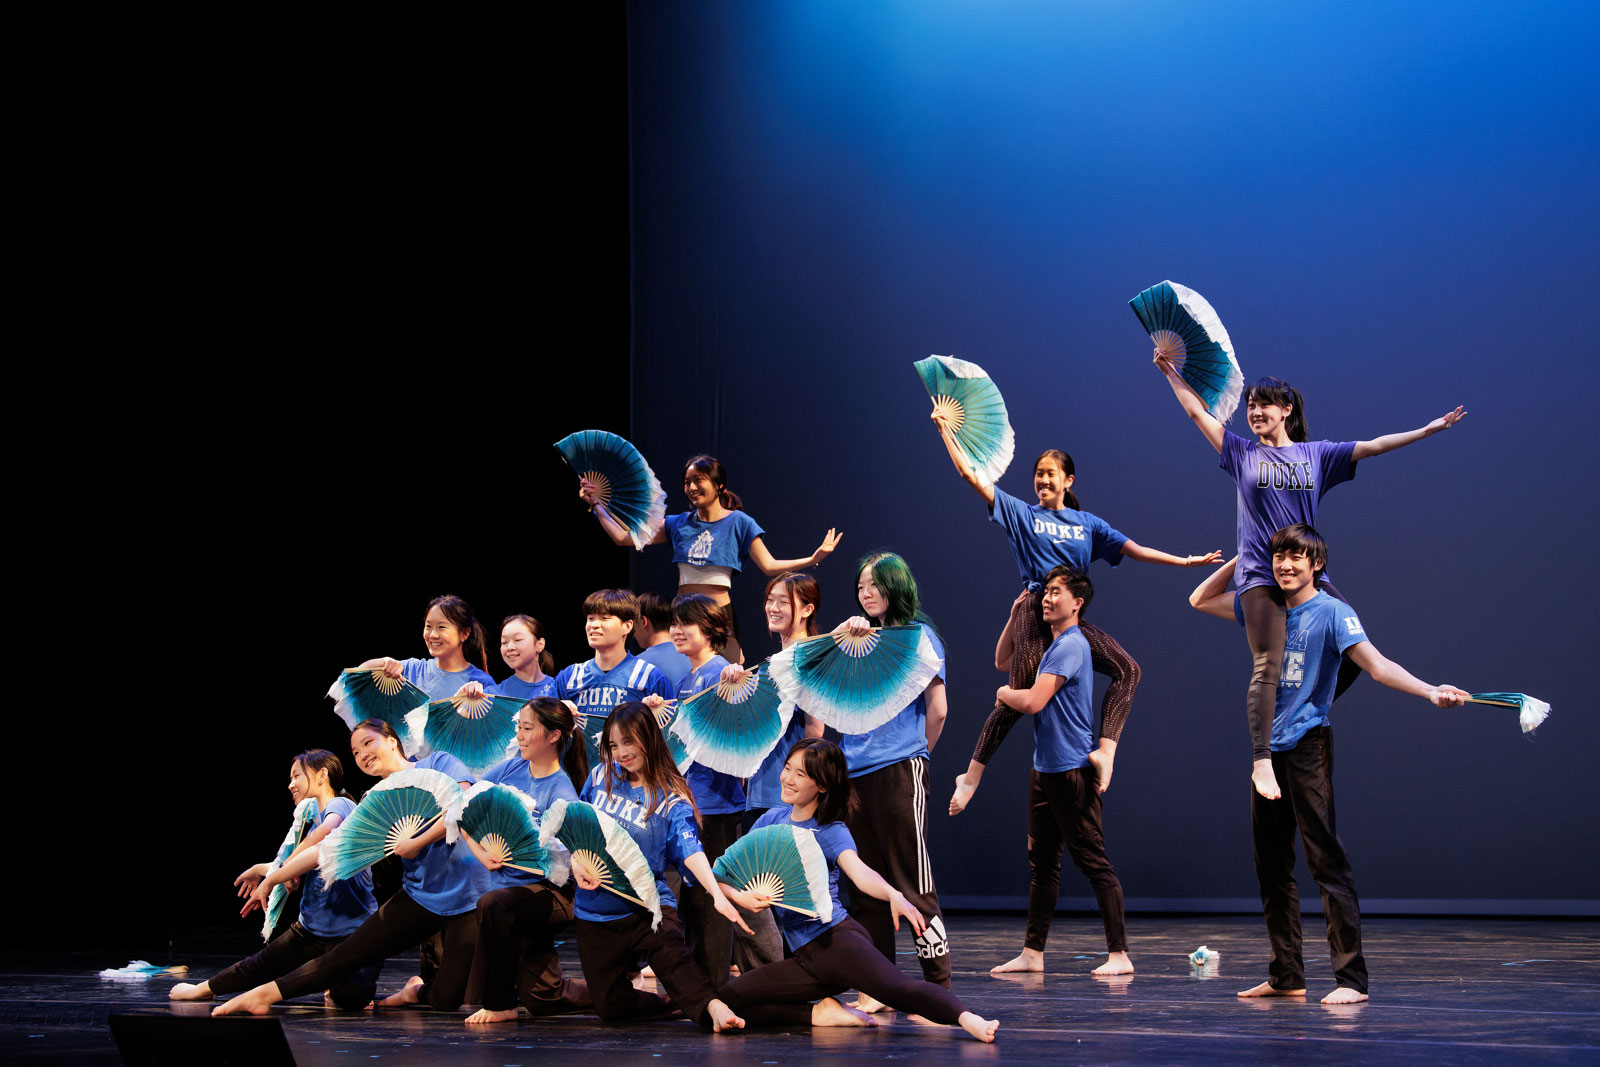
x,y
1493,703
624,896
525,870
791,907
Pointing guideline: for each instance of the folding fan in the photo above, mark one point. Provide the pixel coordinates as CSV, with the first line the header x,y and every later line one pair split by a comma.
x,y
628,487
479,732
976,411
305,817
504,821
1184,327
783,862
731,728
855,684
1533,712
593,729
599,843
402,805
371,694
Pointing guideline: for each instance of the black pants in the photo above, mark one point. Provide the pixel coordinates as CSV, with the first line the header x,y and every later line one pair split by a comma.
x,y
890,828
400,923
291,949
1265,623
517,951
1064,810
1305,774
780,994
610,951
710,936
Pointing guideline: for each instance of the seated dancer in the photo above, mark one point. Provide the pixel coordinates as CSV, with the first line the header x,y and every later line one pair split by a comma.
x,y
829,958
1320,629
1064,786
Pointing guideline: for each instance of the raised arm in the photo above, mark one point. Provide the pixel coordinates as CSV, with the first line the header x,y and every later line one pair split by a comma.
x,y
1133,550
589,493
1212,596
1193,406
769,566
1389,442
1031,701
963,468
1366,656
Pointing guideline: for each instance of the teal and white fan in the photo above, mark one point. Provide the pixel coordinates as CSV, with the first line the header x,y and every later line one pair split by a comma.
x,y
370,694
1184,326
305,817
1531,712
593,729
976,412
856,684
599,843
783,863
403,805
732,727
628,487
478,731
504,822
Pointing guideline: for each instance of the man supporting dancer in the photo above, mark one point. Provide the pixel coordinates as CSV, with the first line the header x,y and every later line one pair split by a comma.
x,y
1320,629
1064,787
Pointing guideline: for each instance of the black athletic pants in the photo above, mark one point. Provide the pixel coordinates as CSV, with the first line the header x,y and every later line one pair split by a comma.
x,y
517,950
292,949
610,952
1064,810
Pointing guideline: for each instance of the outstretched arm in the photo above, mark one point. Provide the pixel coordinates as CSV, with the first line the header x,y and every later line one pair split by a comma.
x,y
1193,406
700,867
1133,550
1031,701
589,493
873,885
1389,442
769,566
1366,656
1212,596
959,458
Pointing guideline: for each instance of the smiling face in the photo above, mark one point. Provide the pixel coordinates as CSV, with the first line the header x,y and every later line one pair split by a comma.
x,y
1050,483
1058,605
624,752
699,488
440,634
535,742
375,753
606,631
689,639
300,784
1267,419
797,788
1294,570
518,647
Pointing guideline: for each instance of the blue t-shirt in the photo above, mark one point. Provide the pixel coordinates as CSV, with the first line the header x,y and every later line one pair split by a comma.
x,y
1042,539
545,791
667,834
439,684
715,793
525,691
1063,733
834,838
336,909
764,789
597,692
669,661
1317,634
901,738
1278,487
724,543
446,879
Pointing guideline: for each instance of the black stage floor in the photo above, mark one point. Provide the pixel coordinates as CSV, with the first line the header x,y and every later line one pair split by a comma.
x,y
1463,991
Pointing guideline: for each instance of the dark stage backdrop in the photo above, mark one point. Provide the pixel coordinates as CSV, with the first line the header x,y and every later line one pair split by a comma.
x,y
1390,205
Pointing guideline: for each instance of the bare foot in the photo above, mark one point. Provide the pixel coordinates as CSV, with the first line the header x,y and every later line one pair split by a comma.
x,y
1264,781
484,1015
1265,990
1344,995
1116,963
255,1001
1029,960
190,991
829,1012
647,972
867,1004
965,787
723,1018
1103,763
410,993
979,1027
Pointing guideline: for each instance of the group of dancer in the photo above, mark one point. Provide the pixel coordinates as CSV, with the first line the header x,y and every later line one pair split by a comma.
x,y
593,732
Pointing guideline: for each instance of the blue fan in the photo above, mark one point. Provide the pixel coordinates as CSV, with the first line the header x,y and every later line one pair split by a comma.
x,y
479,732
593,728
731,728
783,863
403,805
371,694
977,413
1184,327
305,817
856,684
504,821
1533,712
599,843
628,487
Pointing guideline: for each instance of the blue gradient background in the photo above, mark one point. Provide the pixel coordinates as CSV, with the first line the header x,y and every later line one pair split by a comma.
x,y
1393,206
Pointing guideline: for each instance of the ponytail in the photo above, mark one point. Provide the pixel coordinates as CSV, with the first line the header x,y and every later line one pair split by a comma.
x,y
712,468
320,759
1063,461
557,715
1279,392
475,644
547,662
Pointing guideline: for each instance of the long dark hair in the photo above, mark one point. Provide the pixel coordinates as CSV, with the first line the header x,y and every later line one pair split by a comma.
x,y
554,714
660,774
1277,391
712,468
825,765
475,643
547,662
320,759
801,589
1064,461
892,575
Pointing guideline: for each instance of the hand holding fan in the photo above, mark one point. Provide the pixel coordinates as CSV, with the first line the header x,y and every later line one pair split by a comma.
x,y
603,847
783,863
856,683
504,822
973,410
402,805
731,727
1533,712
1186,329
627,486
305,817
478,731
370,694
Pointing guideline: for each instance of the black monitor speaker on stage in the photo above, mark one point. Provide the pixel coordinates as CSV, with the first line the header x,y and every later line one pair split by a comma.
x,y
192,1040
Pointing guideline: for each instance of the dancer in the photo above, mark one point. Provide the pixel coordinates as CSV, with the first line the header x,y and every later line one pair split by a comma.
x,y
1281,478
457,648
1063,787
329,912
889,773
793,601
829,958
518,917
522,641
614,676
439,894
1042,536
640,788
652,633
1320,629
710,542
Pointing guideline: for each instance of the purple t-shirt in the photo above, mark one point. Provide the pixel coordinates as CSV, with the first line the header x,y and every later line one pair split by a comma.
x,y
1278,487
1042,539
